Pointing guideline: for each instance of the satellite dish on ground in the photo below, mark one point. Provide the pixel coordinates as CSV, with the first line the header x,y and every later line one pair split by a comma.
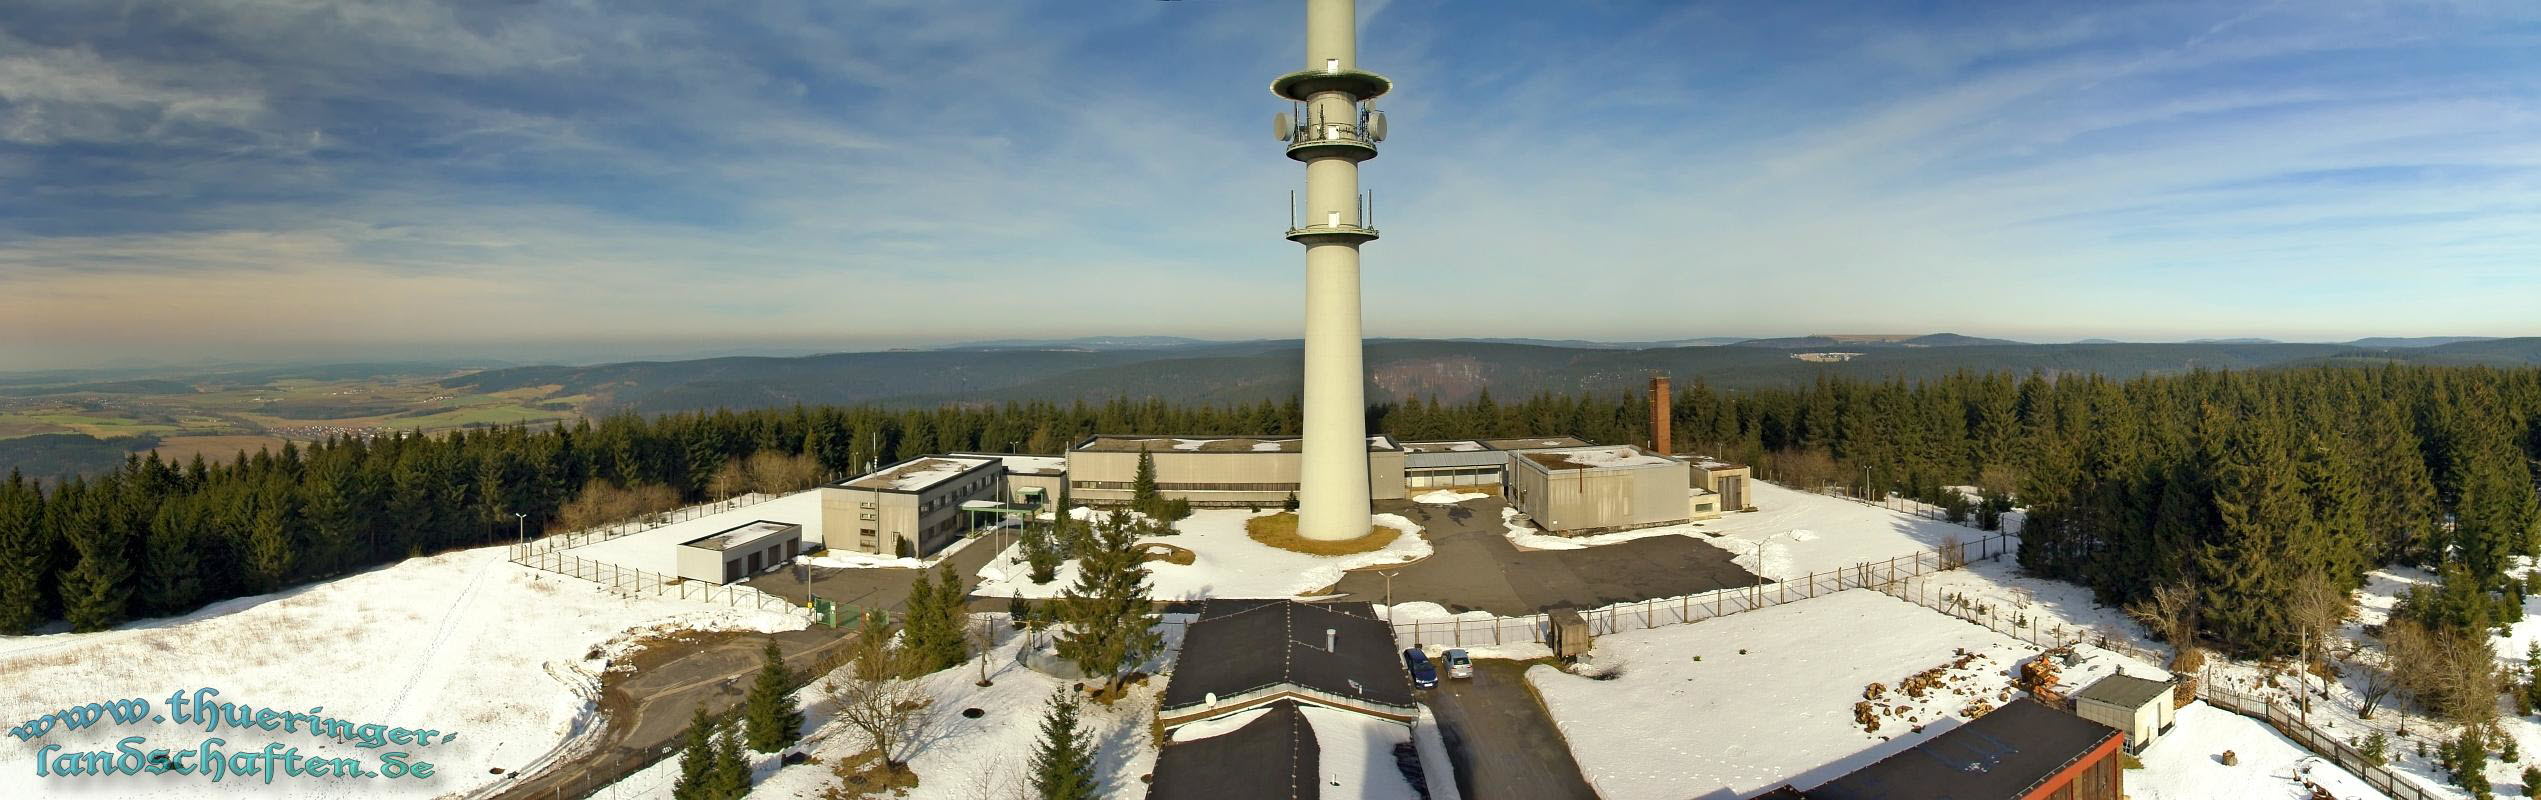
x,y
1286,128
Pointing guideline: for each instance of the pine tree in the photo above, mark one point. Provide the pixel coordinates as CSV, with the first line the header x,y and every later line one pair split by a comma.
x,y
730,778
1108,611
2246,569
1063,761
696,759
1143,494
773,721
1040,553
97,592
26,556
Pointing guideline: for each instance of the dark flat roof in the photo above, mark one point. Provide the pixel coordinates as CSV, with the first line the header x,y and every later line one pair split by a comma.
x,y
2125,691
2000,756
1274,757
1241,645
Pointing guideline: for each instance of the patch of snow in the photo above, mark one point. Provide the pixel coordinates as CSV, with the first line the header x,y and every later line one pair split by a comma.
x,y
935,471
1192,444
1464,447
1447,497
1608,457
1358,754
1220,725
1266,447
465,642
1434,762
2183,764
1527,537
1225,562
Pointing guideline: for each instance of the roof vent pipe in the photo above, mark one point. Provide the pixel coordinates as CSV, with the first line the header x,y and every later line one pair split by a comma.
x,y
1330,640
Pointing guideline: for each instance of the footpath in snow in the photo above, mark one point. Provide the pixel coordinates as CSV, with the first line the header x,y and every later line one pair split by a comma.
x,y
1226,562
489,653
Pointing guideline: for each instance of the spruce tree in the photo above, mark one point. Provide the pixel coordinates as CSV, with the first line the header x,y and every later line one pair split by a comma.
x,y
1143,495
26,556
696,759
769,714
1063,761
1040,553
730,778
2246,569
1108,612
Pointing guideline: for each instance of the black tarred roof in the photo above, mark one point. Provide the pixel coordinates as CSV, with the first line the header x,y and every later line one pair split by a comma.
x,y
2004,754
1273,757
1241,645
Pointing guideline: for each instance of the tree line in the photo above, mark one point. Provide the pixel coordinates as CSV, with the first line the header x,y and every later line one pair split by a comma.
x,y
2237,483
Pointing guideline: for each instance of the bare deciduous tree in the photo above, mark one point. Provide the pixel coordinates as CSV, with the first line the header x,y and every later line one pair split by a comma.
x,y
2171,612
2317,607
870,696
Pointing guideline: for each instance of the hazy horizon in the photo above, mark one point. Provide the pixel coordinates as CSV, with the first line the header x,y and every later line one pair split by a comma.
x,y
271,181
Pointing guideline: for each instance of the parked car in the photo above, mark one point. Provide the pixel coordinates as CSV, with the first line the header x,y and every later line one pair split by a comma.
x,y
1458,665
1423,675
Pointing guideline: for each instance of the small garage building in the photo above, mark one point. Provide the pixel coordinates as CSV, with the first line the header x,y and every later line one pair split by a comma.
x,y
2142,708
739,552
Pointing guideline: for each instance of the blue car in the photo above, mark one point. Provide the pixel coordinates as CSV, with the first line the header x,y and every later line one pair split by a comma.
x,y
1423,675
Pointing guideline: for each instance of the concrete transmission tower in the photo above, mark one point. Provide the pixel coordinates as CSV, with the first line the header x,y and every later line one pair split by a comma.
x,y
1332,127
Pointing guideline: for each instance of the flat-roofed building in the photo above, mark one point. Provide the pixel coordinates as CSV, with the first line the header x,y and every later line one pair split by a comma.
x,y
738,552
1534,442
912,508
1719,487
1599,488
2140,707
1213,470
1028,480
1452,463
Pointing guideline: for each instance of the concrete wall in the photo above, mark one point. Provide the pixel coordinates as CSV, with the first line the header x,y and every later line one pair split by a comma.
x,y
1048,484
699,565
2142,725
1594,500
1215,479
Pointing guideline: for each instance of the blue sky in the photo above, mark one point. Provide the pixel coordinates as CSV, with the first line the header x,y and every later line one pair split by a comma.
x,y
290,178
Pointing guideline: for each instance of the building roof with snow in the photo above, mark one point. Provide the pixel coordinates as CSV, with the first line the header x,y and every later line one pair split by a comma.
x,y
1455,446
2123,691
2007,754
1117,443
1534,442
742,535
1245,653
1022,464
920,474
1259,760
1615,456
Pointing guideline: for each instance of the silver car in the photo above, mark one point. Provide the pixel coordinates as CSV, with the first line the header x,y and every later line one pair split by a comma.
x,y
1458,665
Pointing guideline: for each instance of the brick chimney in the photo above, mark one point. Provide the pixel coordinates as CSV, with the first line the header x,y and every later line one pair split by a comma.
x,y
1662,413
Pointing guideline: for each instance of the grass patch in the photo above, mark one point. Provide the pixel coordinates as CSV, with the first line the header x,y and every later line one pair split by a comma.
x,y
1280,531
1158,551
866,775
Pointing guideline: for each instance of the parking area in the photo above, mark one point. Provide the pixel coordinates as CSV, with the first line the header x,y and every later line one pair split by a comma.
x,y
1502,742
1473,566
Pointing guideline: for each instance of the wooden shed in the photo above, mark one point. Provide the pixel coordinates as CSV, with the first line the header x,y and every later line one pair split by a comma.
x,y
1567,633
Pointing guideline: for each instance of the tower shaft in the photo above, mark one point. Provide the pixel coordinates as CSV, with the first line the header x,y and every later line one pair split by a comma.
x,y
1332,134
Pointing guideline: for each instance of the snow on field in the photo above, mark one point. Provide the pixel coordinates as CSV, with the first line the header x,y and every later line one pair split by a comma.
x,y
1822,533
1691,715
655,550
465,643
2184,764
956,757
1446,497
1225,563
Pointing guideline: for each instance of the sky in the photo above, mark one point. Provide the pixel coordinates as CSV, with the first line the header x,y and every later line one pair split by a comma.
x,y
190,180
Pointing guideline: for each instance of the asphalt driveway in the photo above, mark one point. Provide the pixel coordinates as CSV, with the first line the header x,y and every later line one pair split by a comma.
x,y
1473,566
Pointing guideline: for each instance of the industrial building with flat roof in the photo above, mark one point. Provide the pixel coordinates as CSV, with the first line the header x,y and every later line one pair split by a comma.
x,y
1257,471
738,552
912,508
1600,488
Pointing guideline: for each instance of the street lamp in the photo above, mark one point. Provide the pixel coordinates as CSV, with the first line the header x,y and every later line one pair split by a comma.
x,y
520,521
1389,598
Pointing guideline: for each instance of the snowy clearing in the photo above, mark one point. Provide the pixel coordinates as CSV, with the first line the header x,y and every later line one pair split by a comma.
x,y
1225,562
1446,497
1690,714
2184,765
656,550
465,643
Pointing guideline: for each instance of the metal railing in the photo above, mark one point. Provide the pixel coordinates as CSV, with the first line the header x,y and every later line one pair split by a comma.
x,y
2379,776
628,581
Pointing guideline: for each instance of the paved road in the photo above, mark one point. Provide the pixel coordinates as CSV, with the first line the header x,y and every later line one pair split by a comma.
x,y
1503,744
1473,566
660,702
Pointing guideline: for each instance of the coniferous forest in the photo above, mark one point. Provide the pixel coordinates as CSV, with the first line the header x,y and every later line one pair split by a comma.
x,y
2239,486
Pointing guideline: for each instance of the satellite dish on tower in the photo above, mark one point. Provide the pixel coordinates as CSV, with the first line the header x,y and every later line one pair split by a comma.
x,y
1286,128
1376,126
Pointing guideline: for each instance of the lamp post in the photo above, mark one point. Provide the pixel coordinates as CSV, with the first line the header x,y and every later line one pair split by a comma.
x,y
1389,598
520,521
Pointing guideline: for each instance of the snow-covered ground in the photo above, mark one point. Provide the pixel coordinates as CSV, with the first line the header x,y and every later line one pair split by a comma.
x,y
1225,563
2186,764
466,643
957,757
1691,714
1527,537
1804,532
656,550
1446,497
